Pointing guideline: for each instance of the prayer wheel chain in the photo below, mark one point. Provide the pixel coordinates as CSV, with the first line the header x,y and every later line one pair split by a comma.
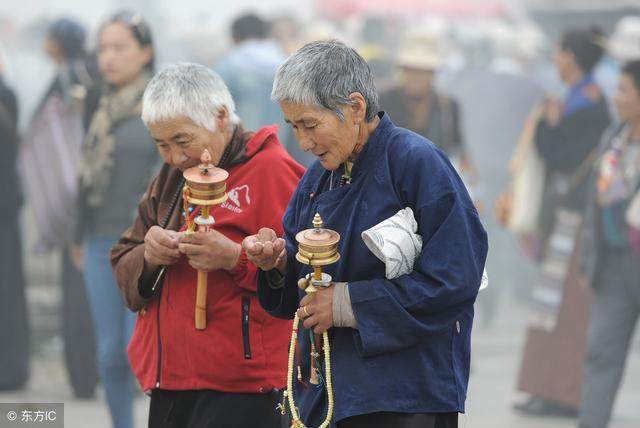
x,y
296,422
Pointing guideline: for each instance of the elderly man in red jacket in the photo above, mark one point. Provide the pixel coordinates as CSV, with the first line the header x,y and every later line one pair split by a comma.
x,y
229,374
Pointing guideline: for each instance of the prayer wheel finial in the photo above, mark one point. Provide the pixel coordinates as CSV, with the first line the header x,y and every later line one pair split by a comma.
x,y
205,162
317,222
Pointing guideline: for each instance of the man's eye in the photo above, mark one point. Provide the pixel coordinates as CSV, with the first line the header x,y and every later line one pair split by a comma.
x,y
183,143
309,126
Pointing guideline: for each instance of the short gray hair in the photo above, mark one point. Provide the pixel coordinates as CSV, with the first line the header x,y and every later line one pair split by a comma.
x,y
187,90
324,74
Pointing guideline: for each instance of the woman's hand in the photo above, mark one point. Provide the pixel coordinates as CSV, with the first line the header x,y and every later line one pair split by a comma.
x,y
208,251
266,250
552,111
317,310
76,252
161,247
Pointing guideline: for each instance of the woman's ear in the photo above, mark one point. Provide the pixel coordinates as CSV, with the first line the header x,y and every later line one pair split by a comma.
x,y
358,107
147,54
223,118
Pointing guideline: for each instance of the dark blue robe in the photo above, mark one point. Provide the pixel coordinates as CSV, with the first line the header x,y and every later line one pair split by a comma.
x,y
411,350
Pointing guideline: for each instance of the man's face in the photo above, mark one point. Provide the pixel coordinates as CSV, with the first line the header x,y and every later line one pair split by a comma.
x,y
416,82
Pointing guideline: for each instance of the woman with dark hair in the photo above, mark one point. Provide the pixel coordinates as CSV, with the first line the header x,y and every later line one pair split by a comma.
x,y
49,154
118,158
570,129
565,138
610,253
76,74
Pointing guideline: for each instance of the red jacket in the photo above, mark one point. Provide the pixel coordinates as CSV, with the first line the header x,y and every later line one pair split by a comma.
x,y
242,349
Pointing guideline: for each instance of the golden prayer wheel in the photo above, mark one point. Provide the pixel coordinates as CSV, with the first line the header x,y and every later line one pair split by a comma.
x,y
205,186
317,247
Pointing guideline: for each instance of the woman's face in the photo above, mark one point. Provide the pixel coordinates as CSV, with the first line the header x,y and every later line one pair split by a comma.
x,y
120,56
321,132
627,99
181,142
566,65
53,50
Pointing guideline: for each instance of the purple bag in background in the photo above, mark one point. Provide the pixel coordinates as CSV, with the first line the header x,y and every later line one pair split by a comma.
x,y
634,240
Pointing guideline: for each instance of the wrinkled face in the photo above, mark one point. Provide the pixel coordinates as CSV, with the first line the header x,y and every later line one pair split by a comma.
x,y
416,82
180,142
322,133
627,99
120,56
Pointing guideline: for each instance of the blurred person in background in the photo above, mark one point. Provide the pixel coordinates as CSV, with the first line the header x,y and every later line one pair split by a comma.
x,y
285,30
117,160
50,152
611,253
624,43
622,46
416,105
248,70
570,129
502,92
230,373
564,136
14,327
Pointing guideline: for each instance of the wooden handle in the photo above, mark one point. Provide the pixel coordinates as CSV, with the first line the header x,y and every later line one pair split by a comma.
x,y
201,301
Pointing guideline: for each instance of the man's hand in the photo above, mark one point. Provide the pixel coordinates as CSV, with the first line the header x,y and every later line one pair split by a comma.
x,y
161,247
317,310
208,251
266,250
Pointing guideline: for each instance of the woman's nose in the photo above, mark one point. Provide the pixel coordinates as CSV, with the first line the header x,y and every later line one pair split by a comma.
x,y
178,157
304,141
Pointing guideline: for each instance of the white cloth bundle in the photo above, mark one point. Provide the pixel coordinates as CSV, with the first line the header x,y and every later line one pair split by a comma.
x,y
395,242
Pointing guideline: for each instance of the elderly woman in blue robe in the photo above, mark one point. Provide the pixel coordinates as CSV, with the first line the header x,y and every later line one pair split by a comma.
x,y
400,344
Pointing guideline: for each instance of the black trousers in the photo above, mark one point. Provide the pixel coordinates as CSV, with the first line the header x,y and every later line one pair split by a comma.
x,y
77,331
14,324
213,409
401,420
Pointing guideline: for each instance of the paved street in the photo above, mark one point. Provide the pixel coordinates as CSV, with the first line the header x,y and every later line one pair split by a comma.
x,y
496,359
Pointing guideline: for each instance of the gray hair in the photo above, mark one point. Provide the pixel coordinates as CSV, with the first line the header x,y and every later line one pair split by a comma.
x,y
324,74
187,90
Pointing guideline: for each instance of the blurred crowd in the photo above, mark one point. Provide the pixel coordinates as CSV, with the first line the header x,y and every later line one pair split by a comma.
x,y
543,126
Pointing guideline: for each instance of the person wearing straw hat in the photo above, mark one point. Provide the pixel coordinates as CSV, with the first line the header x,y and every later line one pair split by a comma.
x,y
416,105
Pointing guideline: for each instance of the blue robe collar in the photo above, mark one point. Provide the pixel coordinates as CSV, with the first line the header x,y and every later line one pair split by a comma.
x,y
576,99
